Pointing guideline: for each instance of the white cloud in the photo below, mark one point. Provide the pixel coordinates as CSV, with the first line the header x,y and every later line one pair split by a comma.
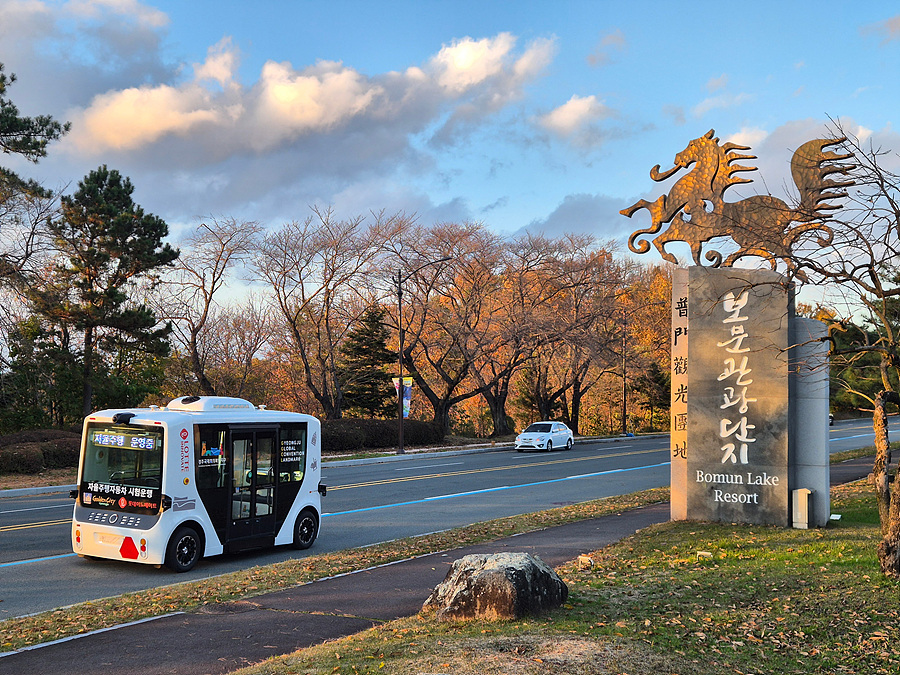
x,y
15,14
220,64
533,62
717,83
574,116
751,136
467,62
723,101
286,104
96,9
129,119
490,86
471,78
82,47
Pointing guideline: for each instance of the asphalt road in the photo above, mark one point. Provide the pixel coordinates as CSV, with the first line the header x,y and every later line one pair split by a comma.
x,y
367,503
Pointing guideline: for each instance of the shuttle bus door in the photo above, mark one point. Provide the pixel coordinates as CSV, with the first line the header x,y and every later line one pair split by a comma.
x,y
252,522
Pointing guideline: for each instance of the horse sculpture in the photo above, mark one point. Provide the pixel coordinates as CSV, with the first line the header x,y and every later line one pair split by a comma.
x,y
696,211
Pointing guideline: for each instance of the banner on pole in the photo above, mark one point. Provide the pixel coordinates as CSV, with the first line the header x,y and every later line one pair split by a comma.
x,y
407,393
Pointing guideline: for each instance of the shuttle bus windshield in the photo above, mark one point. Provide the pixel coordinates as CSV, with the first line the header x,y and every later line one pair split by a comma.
x,y
123,468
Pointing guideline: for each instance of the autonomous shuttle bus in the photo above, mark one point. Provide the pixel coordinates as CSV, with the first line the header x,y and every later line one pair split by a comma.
x,y
205,475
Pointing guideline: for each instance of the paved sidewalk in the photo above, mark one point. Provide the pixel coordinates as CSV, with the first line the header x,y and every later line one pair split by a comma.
x,y
226,637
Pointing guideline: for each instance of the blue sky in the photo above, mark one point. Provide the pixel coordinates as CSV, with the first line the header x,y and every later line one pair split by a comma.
x,y
523,115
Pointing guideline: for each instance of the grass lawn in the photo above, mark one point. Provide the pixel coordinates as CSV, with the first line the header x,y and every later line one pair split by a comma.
x,y
675,598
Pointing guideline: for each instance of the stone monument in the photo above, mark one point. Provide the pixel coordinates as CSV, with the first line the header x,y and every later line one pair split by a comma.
x,y
749,415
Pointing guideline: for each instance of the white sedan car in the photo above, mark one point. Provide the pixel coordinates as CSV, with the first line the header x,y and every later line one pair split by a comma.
x,y
545,436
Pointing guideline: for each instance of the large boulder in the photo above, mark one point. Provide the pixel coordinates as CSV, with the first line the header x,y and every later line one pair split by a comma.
x,y
499,586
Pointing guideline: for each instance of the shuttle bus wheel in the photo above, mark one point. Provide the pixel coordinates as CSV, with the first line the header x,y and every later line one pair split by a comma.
x,y
183,550
305,529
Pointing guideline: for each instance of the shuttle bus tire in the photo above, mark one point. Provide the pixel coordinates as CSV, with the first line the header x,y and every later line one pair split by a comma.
x,y
305,529
184,550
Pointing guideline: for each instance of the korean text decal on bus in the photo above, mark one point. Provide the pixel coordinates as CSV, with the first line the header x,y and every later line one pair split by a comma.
x,y
200,477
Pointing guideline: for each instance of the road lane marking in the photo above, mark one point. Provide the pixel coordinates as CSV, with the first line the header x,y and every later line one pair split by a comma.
x,y
494,489
34,560
37,508
447,474
429,466
28,526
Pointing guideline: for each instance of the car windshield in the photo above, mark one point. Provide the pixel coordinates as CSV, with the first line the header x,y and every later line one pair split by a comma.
x,y
537,429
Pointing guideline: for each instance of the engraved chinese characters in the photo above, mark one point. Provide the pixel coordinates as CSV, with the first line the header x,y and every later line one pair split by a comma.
x,y
678,434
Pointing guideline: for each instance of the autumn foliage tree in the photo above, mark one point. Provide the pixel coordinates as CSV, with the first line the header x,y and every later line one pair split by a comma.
x,y
190,297
319,272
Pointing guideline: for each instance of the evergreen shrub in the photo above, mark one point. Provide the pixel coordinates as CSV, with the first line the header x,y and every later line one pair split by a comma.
x,y
25,458
351,435
33,450
61,453
339,438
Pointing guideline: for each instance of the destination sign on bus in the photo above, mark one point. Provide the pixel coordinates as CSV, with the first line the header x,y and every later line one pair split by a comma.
x,y
119,440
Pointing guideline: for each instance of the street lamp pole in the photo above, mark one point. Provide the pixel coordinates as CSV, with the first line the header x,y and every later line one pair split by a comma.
x,y
400,279
624,373
400,351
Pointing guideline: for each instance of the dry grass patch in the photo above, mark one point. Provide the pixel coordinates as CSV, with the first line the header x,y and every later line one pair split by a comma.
x,y
413,647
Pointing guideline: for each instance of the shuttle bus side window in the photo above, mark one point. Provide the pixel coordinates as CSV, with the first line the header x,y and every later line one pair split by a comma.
x,y
211,458
292,453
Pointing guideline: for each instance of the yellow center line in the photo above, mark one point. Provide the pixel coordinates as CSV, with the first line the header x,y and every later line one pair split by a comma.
x,y
464,472
27,526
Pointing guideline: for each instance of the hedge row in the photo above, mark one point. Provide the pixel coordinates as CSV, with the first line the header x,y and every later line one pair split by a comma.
x,y
351,435
35,450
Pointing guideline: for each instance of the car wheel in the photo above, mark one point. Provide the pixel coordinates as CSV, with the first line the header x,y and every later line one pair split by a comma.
x,y
519,450
569,444
305,529
183,550
549,446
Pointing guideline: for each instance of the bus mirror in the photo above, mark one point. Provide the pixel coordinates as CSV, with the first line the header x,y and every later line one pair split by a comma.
x,y
166,502
322,489
73,494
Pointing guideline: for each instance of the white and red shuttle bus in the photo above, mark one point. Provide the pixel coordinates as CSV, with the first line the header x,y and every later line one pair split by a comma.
x,y
205,475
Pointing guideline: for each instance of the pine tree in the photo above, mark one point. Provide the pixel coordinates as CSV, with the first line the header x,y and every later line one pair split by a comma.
x,y
26,136
367,387
23,202
106,244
